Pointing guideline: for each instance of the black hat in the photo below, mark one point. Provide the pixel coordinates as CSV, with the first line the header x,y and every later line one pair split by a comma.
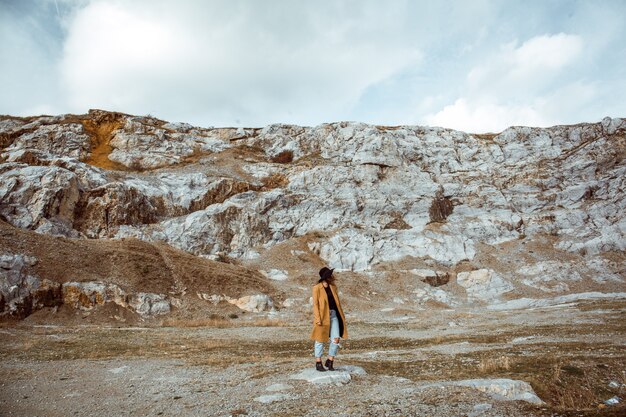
x,y
325,273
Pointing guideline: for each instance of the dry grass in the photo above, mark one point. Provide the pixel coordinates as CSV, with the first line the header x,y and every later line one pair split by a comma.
x,y
274,181
491,365
571,377
283,157
485,136
221,323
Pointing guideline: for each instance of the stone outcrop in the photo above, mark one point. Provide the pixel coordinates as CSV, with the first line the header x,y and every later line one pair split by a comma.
x,y
22,293
500,389
254,303
341,375
364,197
87,295
432,278
483,284
251,303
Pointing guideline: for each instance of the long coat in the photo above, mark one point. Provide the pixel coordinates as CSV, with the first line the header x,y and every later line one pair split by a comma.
x,y
321,313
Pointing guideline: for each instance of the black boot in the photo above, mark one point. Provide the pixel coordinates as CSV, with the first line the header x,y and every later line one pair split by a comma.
x,y
319,367
329,365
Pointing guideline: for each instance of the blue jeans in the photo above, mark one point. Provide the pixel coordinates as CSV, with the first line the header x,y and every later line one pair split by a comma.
x,y
334,333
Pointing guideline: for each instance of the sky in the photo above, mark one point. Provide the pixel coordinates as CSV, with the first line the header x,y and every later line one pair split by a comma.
x,y
473,65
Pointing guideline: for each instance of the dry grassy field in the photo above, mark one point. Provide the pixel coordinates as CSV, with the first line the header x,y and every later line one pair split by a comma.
x,y
573,356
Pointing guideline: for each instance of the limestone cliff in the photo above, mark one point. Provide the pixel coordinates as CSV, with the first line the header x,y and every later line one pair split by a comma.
x,y
533,212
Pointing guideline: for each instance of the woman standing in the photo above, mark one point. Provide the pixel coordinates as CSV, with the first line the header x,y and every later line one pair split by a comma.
x,y
328,319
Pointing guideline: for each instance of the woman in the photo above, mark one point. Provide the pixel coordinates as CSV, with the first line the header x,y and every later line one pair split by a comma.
x,y
328,319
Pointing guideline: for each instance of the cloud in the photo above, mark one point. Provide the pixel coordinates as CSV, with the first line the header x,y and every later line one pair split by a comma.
x,y
479,65
260,63
527,68
485,117
518,85
27,66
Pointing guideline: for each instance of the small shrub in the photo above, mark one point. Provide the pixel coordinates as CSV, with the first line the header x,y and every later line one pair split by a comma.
x,y
283,157
494,364
440,208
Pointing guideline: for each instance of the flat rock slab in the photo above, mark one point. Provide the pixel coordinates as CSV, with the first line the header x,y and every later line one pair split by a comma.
x,y
272,398
278,387
342,375
499,389
351,369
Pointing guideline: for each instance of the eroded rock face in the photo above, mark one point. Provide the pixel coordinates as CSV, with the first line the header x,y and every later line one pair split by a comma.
x,y
22,293
432,278
103,209
483,284
501,389
139,145
254,303
87,295
38,198
44,134
147,304
372,196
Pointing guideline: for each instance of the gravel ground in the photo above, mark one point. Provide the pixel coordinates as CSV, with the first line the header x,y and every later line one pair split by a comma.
x,y
569,355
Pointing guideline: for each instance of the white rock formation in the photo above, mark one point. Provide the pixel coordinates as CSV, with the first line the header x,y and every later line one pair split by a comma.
x,y
499,389
253,303
271,398
364,196
21,292
147,304
275,274
525,303
278,387
38,197
87,295
483,284
145,146
342,375
427,293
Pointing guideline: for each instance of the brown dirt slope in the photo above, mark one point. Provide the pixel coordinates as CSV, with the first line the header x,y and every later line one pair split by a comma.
x,y
134,265
101,126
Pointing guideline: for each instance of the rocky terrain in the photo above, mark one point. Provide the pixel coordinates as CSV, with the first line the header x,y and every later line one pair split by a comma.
x,y
108,219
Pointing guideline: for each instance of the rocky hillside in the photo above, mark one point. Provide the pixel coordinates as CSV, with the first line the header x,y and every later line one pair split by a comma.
x,y
410,216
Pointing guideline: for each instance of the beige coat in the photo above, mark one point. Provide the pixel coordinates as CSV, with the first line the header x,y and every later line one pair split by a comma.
x,y
321,313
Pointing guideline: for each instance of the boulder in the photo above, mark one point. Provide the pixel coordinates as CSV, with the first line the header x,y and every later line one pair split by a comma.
x,y
483,284
87,295
435,294
39,198
502,389
147,304
275,274
254,303
22,293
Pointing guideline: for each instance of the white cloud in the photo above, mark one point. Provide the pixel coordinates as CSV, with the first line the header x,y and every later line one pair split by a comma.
x,y
257,64
529,67
247,62
519,85
484,117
